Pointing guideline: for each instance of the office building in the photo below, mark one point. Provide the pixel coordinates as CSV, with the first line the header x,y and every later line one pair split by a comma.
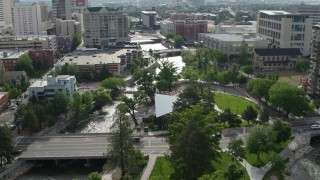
x,y
149,18
236,29
67,27
45,58
2,9
27,42
7,9
166,27
312,10
285,30
27,20
45,89
105,26
91,58
63,9
230,44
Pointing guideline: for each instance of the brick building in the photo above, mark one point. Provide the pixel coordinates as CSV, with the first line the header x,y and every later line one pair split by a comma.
x,y
44,57
4,101
9,60
190,28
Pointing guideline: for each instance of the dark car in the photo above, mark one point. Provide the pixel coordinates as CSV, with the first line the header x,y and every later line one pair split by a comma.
x,y
17,152
13,126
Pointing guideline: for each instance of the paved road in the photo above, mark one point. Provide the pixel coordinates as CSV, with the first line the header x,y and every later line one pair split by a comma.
x,y
47,147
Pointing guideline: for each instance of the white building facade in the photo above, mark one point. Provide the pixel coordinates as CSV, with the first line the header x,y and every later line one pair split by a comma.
x,y
230,44
46,89
105,26
27,20
285,30
149,18
312,10
166,27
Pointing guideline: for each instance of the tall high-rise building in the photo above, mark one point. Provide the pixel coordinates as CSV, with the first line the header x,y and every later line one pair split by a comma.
x,y
312,10
27,20
2,22
63,9
314,82
285,30
105,26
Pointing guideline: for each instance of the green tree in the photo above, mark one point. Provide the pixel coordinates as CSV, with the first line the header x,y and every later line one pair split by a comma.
x,y
260,88
19,115
95,176
76,41
40,113
167,76
260,140
6,144
264,116
236,149
248,69
145,80
227,117
104,73
191,142
278,164
88,102
60,103
282,130
130,104
169,35
24,63
69,69
187,98
250,114
217,175
76,106
178,41
244,55
121,145
30,121
234,172
101,97
302,65
290,99
114,84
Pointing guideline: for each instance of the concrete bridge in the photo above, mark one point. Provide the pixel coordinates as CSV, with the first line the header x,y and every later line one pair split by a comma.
x,y
78,146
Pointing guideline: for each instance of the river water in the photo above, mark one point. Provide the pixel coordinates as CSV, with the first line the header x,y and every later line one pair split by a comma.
x,y
308,167
101,123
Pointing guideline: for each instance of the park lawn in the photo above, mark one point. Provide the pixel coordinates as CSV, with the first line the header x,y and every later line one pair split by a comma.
x,y
162,169
266,157
236,104
290,77
167,168
225,161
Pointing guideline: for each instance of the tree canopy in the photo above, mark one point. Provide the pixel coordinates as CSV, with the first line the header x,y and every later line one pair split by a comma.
x,y
167,76
113,83
6,144
289,98
24,63
178,41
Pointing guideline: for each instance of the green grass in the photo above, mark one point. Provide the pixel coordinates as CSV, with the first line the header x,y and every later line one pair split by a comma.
x,y
162,169
167,169
236,104
225,161
266,157
290,77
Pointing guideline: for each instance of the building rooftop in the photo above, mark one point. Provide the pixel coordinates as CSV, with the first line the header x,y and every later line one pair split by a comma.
x,y
39,83
63,77
15,73
278,51
148,12
231,37
3,94
26,38
270,12
92,57
16,55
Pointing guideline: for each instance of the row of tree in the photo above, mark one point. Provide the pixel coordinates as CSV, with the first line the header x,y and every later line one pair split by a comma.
x,y
282,96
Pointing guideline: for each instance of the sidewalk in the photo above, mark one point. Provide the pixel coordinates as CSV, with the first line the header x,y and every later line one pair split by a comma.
x,y
148,170
254,172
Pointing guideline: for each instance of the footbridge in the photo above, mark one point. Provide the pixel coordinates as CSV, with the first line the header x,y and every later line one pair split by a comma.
x,y
79,146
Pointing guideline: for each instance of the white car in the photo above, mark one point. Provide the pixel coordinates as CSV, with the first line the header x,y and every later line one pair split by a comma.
x,y
315,126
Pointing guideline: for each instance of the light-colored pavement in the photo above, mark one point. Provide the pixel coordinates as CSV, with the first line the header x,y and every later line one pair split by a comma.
x,y
148,170
80,146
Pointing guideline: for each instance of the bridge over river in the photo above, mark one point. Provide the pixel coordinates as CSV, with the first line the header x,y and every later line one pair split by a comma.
x,y
79,146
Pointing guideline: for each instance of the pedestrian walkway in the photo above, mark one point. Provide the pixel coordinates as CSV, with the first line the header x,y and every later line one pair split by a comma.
x,y
108,175
148,170
254,172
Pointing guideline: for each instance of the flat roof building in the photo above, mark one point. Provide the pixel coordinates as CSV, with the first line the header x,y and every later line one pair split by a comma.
x,y
27,42
285,30
149,18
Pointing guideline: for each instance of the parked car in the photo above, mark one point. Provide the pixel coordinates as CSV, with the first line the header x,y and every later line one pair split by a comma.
x,y
315,126
13,126
17,152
